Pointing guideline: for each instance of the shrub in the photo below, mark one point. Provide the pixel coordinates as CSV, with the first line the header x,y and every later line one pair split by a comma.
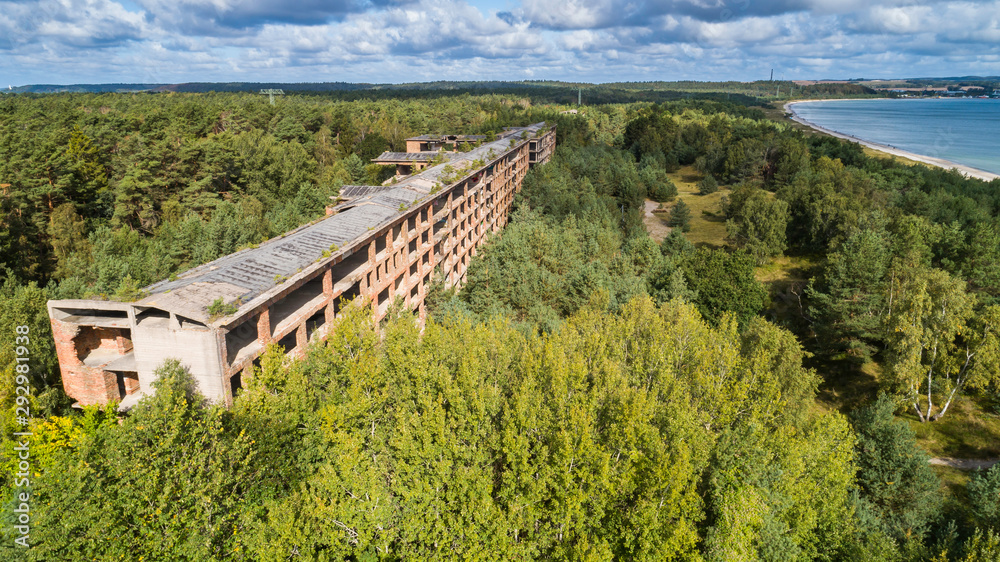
x,y
708,185
220,308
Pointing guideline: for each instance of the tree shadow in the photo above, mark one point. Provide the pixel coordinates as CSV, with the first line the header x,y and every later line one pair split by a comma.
x,y
847,382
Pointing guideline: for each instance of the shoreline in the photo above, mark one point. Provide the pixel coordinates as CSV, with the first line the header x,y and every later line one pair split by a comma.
x,y
967,171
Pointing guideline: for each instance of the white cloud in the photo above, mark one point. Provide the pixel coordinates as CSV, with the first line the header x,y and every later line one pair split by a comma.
x,y
597,40
77,23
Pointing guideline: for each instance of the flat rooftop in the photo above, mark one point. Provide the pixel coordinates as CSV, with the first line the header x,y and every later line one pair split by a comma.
x,y
470,138
406,156
253,275
354,191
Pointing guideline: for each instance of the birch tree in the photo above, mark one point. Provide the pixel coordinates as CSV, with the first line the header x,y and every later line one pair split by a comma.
x,y
937,346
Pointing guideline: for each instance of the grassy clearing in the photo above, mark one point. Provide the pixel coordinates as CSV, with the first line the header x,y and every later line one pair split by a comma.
x,y
970,430
953,480
847,383
655,220
708,227
785,278
956,495
789,269
871,152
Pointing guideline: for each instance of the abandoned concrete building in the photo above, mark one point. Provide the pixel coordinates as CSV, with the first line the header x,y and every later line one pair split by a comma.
x,y
379,243
434,143
422,150
406,162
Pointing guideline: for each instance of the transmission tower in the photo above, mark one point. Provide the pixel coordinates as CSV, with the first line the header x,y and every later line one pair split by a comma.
x,y
270,92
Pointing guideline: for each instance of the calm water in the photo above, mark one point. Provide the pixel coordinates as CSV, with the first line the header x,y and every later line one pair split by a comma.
x,y
966,131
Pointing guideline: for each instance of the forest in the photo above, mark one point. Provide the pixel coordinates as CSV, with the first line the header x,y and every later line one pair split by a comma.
x,y
590,393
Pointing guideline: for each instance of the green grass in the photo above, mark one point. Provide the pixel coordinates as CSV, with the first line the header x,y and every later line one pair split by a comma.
x,y
708,227
788,269
956,495
953,480
847,383
905,161
969,430
785,278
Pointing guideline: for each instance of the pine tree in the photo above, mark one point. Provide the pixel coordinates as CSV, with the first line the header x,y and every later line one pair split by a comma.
x,y
680,216
68,236
897,485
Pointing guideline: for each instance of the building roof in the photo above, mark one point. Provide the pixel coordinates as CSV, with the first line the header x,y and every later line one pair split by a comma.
x,y
406,156
444,138
253,275
352,191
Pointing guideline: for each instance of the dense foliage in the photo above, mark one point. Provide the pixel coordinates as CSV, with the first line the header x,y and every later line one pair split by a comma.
x,y
588,394
912,254
638,435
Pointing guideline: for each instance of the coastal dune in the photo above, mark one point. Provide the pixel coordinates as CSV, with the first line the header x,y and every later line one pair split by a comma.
x,y
968,171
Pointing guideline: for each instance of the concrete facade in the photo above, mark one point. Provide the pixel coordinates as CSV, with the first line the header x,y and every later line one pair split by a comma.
x,y
382,244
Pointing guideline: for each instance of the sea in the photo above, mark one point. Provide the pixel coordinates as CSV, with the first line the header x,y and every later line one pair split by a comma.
x,y
965,130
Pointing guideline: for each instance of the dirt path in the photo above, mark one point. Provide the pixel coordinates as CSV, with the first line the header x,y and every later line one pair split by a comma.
x,y
964,464
657,227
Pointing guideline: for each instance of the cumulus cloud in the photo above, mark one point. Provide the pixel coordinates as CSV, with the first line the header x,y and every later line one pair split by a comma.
x,y
76,23
230,17
406,40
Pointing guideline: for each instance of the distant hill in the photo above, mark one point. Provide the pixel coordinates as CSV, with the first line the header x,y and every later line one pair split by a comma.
x,y
749,88
199,87
82,88
194,87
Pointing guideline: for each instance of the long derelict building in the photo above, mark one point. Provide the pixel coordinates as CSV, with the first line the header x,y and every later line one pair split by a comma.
x,y
379,243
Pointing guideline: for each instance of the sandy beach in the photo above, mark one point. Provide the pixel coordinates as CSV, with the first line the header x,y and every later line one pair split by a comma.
x,y
940,162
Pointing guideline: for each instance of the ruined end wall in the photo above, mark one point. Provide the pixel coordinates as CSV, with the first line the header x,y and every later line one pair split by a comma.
x,y
195,346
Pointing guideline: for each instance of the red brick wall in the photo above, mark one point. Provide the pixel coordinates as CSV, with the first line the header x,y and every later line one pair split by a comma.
x,y
131,383
87,385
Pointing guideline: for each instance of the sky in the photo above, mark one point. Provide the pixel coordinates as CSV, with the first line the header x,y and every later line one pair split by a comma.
x,y
380,41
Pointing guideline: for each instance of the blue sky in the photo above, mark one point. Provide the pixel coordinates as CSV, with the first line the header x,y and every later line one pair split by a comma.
x,y
166,41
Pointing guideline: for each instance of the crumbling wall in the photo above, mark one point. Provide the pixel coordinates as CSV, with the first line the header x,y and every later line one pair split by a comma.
x,y
87,385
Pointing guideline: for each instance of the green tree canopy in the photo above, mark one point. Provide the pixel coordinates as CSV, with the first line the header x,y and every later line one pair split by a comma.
x,y
896,483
